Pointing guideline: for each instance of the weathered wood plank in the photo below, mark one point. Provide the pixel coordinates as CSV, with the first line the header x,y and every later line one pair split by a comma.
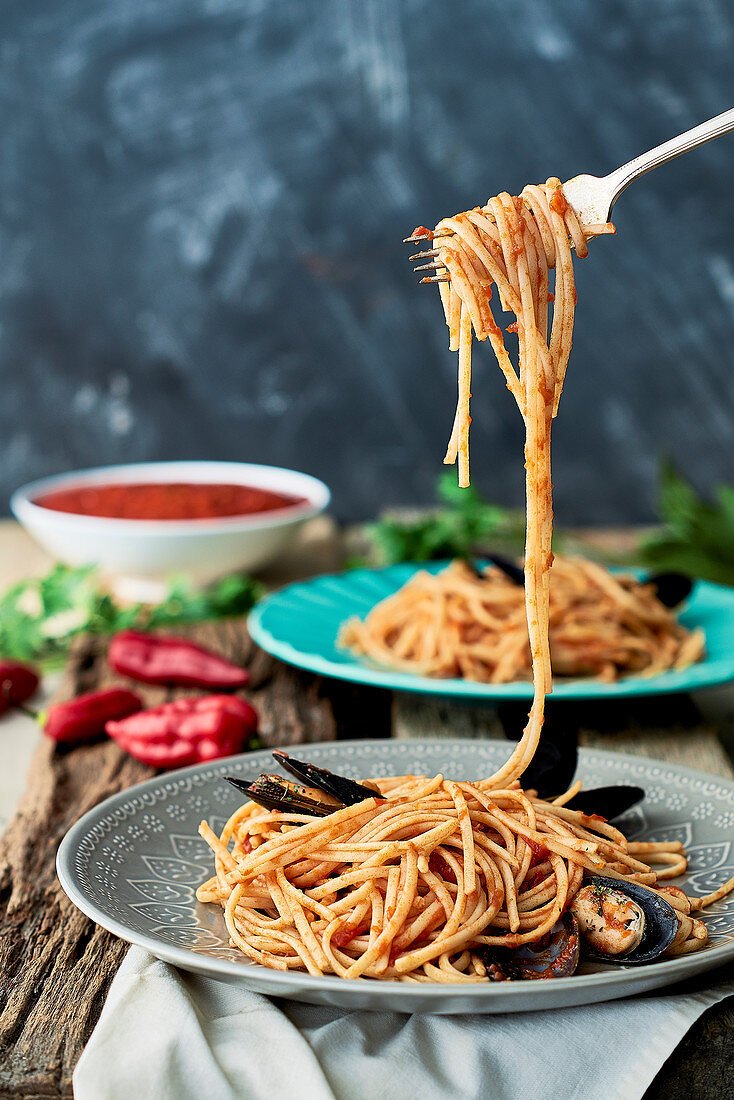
x,y
418,716
55,965
700,1068
667,728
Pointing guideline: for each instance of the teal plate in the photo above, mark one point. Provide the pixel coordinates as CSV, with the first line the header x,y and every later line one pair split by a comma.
x,y
300,623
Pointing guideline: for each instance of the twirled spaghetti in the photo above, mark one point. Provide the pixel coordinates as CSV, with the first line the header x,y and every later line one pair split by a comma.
x,y
411,884
457,624
514,243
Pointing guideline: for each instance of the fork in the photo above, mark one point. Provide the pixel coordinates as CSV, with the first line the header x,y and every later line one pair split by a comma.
x,y
593,197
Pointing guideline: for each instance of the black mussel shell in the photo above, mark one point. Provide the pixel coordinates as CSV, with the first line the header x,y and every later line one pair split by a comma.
x,y
346,790
608,802
274,793
554,765
506,565
661,924
670,588
555,956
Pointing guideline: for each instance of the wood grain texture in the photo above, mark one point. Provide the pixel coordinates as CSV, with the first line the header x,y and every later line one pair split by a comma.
x,y
666,728
702,1065
418,716
55,965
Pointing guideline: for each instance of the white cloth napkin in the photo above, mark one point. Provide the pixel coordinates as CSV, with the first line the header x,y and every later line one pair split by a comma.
x,y
165,1034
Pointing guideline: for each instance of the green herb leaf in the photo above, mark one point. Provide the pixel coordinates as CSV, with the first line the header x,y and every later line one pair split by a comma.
x,y
465,522
40,617
697,537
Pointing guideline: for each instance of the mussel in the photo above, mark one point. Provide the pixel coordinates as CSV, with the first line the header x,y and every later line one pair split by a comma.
x,y
670,588
505,565
555,956
325,793
553,767
622,922
275,793
609,921
608,802
347,791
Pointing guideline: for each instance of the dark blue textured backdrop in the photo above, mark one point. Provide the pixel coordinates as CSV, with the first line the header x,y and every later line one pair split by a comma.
x,y
172,172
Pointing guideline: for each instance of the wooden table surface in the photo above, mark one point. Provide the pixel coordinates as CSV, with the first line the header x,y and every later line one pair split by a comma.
x,y
56,966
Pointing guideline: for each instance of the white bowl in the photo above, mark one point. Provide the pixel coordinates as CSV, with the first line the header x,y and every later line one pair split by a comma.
x,y
137,555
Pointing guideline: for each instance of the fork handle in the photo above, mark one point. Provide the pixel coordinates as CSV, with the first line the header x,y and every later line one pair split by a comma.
x,y
620,179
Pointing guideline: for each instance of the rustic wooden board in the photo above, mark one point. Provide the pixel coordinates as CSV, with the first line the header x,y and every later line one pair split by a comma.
x,y
667,728
55,965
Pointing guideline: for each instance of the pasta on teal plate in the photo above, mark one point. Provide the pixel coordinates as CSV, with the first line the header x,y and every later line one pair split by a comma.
x,y
300,625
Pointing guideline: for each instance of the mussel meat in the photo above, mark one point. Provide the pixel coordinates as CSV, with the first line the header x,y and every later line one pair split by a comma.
x,y
275,793
623,922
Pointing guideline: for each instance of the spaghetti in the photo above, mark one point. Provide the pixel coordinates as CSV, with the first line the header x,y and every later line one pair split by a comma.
x,y
412,884
514,243
458,624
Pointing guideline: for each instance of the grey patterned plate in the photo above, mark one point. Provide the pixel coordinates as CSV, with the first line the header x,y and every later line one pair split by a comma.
x,y
133,864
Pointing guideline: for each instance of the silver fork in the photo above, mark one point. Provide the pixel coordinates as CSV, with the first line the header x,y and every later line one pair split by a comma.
x,y
593,197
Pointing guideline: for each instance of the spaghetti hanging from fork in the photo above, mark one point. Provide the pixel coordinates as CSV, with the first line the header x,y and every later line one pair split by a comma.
x,y
514,243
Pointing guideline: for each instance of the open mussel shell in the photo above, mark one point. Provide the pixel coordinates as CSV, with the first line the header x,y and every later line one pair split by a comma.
x,y
272,792
325,793
553,767
670,588
608,802
555,956
347,791
554,764
659,928
511,569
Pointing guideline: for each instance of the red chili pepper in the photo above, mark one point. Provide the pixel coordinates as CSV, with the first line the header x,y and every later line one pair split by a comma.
x,y
84,718
17,683
187,731
161,659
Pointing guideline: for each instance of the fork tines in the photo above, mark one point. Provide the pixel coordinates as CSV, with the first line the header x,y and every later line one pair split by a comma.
x,y
441,276
422,238
431,255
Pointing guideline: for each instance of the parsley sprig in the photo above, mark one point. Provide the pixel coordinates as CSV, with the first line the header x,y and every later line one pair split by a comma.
x,y
697,537
464,522
40,617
